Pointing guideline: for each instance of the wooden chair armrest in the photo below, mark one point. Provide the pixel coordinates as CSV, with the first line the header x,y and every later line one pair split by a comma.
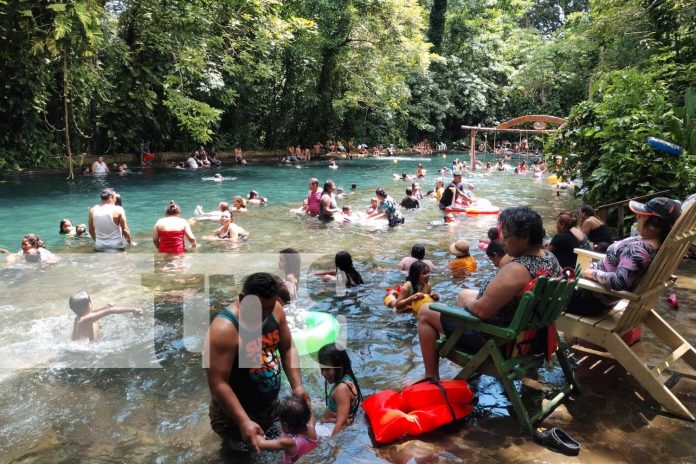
x,y
466,319
591,254
585,257
595,287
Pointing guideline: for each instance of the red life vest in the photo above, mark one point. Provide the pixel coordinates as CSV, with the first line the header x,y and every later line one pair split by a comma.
x,y
418,409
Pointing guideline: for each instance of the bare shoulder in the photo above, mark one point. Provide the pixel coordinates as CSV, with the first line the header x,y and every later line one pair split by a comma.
x,y
344,388
222,332
512,272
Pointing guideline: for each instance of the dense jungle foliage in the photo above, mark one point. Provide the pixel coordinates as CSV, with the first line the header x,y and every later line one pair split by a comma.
x,y
107,76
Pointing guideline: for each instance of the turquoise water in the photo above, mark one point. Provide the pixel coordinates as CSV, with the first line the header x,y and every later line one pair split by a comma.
x,y
51,413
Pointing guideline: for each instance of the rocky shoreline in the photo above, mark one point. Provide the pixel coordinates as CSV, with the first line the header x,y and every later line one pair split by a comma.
x,y
165,159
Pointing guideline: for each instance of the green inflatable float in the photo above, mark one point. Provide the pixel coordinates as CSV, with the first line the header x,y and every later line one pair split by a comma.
x,y
321,330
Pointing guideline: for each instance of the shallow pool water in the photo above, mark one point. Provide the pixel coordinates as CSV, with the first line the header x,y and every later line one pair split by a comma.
x,y
75,401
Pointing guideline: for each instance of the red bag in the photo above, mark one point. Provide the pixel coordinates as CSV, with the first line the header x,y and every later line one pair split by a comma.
x,y
418,409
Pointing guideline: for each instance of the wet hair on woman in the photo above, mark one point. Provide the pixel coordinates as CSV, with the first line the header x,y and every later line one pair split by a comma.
x,y
241,200
414,272
588,210
344,262
63,222
523,222
292,262
79,303
294,412
381,192
567,221
172,208
331,356
34,240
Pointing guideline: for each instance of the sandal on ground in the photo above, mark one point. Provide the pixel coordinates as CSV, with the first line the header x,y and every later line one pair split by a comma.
x,y
557,440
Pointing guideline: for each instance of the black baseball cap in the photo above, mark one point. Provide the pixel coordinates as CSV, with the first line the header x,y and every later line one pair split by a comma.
x,y
662,207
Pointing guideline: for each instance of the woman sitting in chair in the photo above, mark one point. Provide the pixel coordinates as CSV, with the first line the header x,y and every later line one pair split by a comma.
x,y
497,299
627,261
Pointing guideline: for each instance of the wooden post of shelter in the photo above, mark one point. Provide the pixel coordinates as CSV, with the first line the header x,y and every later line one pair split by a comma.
x,y
472,149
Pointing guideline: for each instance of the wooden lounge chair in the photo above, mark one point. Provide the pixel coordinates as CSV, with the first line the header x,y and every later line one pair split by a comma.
x,y
637,308
538,309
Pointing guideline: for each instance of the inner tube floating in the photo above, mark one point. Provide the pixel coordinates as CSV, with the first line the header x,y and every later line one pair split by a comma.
x,y
418,409
322,329
148,157
392,295
483,210
552,179
476,208
663,145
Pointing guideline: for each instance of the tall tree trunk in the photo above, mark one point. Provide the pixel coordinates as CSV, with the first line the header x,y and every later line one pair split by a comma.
x,y
326,87
66,113
436,30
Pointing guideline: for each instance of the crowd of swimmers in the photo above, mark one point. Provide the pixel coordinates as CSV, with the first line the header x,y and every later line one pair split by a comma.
x,y
243,407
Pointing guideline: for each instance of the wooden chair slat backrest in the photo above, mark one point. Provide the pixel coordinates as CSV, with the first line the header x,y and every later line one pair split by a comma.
x,y
661,269
542,305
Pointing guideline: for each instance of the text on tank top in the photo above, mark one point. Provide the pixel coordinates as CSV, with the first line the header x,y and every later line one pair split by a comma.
x,y
257,388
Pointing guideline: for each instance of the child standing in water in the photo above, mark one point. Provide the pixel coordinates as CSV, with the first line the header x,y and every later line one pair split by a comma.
x,y
85,325
297,423
416,290
344,397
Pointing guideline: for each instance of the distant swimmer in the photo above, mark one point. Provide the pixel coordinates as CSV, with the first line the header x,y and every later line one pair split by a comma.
x,y
201,215
255,199
99,167
32,251
218,178
229,230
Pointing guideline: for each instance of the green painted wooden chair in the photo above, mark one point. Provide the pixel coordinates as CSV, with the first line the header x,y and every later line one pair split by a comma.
x,y
501,356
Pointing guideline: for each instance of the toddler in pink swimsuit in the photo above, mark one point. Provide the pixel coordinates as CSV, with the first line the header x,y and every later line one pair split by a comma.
x,y
299,436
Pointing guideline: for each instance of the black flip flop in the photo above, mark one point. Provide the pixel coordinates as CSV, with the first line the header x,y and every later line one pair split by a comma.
x,y
557,440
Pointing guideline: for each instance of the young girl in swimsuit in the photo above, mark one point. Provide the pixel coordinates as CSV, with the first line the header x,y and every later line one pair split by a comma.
x,y
344,397
416,288
297,423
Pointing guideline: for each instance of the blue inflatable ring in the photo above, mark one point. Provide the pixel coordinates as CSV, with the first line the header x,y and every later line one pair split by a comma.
x,y
662,145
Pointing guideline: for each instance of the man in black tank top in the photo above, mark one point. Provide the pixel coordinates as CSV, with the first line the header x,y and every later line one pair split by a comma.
x,y
244,362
